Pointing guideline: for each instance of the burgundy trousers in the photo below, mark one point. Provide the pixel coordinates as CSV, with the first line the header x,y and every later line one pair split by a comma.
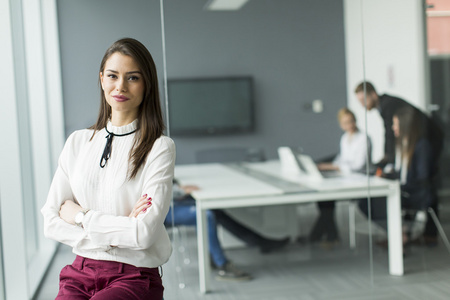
x,y
99,279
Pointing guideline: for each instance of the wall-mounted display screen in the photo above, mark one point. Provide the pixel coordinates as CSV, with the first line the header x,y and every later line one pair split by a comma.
x,y
210,106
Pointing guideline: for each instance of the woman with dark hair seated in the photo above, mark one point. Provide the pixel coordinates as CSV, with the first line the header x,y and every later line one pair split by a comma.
x,y
415,161
415,165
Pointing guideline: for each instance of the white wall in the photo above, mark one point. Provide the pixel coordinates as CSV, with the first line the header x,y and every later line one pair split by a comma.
x,y
385,43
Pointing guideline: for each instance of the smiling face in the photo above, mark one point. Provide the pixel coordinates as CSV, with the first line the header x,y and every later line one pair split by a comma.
x,y
123,86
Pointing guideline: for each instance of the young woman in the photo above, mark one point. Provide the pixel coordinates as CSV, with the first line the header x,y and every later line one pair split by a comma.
x,y
353,155
415,163
353,150
112,189
415,167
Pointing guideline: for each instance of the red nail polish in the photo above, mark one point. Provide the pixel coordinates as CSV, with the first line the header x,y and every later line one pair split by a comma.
x,y
149,198
144,210
149,203
144,196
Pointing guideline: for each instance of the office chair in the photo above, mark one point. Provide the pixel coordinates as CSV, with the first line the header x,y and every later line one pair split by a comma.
x,y
413,220
416,220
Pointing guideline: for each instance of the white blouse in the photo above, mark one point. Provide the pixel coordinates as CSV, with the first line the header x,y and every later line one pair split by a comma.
x,y
110,196
353,152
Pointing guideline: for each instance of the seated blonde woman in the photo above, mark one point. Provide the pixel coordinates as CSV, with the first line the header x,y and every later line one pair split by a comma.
x,y
354,154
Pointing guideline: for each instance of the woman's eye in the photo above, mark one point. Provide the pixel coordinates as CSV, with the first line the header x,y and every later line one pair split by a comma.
x,y
133,78
111,76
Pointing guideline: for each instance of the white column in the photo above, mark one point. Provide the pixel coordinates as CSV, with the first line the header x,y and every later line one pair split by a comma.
x,y
12,222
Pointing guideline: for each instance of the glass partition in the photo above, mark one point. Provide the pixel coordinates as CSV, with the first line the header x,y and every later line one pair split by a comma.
x,y
300,80
404,58
302,72
294,91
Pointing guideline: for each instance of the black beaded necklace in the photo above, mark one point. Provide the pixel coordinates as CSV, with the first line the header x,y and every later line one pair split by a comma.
x,y
107,151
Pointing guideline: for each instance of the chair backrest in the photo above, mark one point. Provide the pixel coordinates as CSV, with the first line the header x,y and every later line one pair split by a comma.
x,y
230,154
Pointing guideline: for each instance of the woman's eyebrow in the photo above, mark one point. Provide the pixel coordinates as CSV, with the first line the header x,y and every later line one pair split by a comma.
x,y
131,72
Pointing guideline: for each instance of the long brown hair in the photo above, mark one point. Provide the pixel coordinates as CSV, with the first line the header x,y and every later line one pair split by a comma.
x,y
150,120
411,129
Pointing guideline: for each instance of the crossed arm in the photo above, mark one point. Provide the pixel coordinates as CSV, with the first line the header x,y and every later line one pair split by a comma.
x,y
70,208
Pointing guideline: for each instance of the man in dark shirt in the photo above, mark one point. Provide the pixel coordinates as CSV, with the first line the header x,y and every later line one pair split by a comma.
x,y
387,106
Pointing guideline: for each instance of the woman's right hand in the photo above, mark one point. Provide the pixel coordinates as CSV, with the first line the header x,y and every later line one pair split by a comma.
x,y
189,188
327,167
141,206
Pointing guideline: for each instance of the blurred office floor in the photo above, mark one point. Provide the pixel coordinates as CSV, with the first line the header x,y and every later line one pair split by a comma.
x,y
303,271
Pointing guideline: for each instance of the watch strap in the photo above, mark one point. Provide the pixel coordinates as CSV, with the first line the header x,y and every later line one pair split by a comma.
x,y
84,212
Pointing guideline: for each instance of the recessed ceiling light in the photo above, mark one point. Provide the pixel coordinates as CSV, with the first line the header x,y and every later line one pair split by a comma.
x,y
225,4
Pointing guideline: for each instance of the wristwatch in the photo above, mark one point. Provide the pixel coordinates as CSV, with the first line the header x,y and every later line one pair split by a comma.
x,y
80,216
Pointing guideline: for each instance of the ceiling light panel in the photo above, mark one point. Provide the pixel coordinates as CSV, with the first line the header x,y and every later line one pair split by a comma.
x,y
225,4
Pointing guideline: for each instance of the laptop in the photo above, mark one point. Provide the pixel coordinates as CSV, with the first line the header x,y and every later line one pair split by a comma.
x,y
294,162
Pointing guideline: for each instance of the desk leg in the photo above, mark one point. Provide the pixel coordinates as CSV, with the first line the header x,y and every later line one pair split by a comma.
x,y
395,232
352,223
203,249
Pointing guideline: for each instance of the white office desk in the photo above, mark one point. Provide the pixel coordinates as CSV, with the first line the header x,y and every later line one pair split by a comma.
x,y
261,184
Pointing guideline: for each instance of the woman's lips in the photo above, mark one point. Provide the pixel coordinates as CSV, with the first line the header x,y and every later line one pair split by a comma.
x,y
120,98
